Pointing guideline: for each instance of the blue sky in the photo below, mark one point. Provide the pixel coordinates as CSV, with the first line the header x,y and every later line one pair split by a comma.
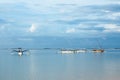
x,y
80,18
76,18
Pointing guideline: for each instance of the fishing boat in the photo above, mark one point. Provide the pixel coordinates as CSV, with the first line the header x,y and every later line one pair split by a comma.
x,y
81,50
99,50
19,51
69,51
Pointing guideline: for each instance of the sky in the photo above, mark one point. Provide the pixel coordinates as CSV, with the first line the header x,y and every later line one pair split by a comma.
x,y
71,18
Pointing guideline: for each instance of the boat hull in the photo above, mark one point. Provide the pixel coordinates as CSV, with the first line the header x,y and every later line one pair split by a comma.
x,y
20,53
98,50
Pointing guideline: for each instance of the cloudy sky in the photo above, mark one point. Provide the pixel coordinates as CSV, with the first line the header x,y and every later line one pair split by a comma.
x,y
78,18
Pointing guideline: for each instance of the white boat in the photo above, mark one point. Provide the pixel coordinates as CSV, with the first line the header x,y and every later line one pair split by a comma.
x,y
81,51
20,53
67,51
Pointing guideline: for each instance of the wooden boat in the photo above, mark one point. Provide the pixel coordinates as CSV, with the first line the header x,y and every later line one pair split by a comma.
x,y
98,50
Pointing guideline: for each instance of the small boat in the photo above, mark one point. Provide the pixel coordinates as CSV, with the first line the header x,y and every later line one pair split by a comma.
x,y
98,50
81,51
65,51
19,51
68,51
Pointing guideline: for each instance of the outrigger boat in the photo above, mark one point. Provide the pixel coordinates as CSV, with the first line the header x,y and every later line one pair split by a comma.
x,y
19,51
100,50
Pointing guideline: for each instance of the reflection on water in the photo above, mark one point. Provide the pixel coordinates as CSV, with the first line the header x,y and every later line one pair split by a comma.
x,y
50,65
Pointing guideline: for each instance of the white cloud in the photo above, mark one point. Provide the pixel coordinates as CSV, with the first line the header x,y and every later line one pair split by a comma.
x,y
71,30
106,11
116,14
33,28
110,27
113,15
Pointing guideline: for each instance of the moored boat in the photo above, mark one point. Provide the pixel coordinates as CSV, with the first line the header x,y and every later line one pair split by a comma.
x,y
81,51
65,51
98,50
68,51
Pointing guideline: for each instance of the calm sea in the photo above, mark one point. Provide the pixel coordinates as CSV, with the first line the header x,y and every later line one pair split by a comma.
x,y
52,65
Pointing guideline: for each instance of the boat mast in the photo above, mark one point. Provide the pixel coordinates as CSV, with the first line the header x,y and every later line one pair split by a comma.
x,y
100,46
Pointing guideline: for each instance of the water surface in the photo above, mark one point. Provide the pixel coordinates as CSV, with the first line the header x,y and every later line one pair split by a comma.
x,y
51,65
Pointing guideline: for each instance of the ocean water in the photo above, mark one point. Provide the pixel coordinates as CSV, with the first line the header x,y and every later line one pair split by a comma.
x,y
52,65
